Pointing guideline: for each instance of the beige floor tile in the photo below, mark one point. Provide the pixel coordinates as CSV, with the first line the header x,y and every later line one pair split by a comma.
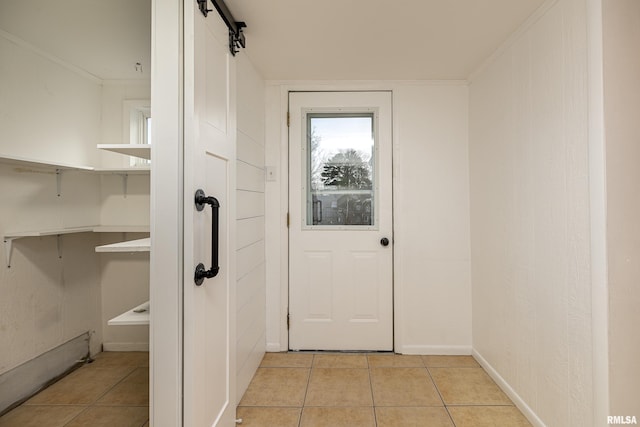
x,y
339,387
340,361
83,386
467,386
337,417
277,387
120,358
487,416
268,417
403,387
39,416
450,362
132,391
108,416
287,360
394,361
413,417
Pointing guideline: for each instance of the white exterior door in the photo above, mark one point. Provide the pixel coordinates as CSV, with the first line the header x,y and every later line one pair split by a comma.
x,y
340,232
209,165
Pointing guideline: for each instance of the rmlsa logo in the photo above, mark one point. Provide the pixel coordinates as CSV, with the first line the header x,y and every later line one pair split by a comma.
x,y
621,419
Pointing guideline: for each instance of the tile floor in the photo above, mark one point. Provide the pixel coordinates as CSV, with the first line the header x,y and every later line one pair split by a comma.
x,y
291,390
112,391
375,390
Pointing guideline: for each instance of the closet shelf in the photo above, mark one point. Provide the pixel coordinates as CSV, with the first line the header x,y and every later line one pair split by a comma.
x,y
136,150
11,236
48,232
134,170
136,316
139,245
40,164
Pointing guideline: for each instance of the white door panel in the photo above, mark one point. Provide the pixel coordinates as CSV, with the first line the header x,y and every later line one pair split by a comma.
x,y
340,184
209,164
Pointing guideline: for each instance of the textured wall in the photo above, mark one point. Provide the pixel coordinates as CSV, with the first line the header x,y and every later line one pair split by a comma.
x,y
530,236
51,293
621,28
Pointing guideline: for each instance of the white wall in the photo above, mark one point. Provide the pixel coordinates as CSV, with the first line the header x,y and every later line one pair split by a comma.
x,y
621,20
431,219
250,296
431,214
530,237
51,293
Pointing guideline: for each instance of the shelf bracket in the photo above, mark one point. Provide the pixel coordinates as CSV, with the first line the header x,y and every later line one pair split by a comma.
x,y
8,249
59,181
125,183
59,245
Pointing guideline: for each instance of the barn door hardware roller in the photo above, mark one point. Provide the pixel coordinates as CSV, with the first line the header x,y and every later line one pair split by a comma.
x,y
201,272
236,36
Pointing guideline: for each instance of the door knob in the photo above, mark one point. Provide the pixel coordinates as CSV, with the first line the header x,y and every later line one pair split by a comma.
x,y
384,241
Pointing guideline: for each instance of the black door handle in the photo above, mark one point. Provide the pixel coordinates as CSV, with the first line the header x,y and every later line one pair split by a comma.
x,y
201,272
384,241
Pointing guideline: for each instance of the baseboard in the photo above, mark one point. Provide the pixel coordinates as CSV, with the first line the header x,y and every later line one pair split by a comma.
x,y
125,346
440,350
273,347
25,380
517,400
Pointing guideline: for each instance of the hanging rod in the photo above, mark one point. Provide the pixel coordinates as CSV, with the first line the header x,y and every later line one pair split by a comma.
x,y
236,36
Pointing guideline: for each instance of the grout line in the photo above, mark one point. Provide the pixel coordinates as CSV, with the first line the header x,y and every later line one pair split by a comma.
x,y
373,400
306,390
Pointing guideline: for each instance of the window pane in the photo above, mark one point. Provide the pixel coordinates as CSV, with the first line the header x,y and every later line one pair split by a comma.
x,y
341,169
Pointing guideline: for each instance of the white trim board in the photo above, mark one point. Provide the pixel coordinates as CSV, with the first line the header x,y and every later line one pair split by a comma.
x,y
506,388
435,350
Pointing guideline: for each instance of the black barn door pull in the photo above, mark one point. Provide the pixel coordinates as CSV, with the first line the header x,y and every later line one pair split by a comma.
x,y
201,272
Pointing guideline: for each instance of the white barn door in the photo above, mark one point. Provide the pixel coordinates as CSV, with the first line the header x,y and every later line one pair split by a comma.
x,y
194,131
209,165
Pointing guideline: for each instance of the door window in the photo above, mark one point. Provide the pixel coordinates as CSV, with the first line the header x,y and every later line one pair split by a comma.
x,y
341,169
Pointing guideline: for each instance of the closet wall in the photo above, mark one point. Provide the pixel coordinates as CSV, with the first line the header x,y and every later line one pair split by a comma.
x,y
58,287
530,229
51,293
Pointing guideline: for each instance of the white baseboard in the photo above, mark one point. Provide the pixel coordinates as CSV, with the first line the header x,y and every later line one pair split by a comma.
x,y
274,347
517,400
440,350
125,346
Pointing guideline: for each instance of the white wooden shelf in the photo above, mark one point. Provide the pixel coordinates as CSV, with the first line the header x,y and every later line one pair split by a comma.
x,y
136,316
11,236
134,170
48,232
139,245
142,151
40,164
121,229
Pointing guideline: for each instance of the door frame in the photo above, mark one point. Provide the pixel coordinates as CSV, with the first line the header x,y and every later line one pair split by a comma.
x,y
278,301
377,103
166,270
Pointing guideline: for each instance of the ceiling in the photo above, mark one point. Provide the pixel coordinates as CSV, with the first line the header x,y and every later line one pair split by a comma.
x,y
376,39
286,39
105,38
